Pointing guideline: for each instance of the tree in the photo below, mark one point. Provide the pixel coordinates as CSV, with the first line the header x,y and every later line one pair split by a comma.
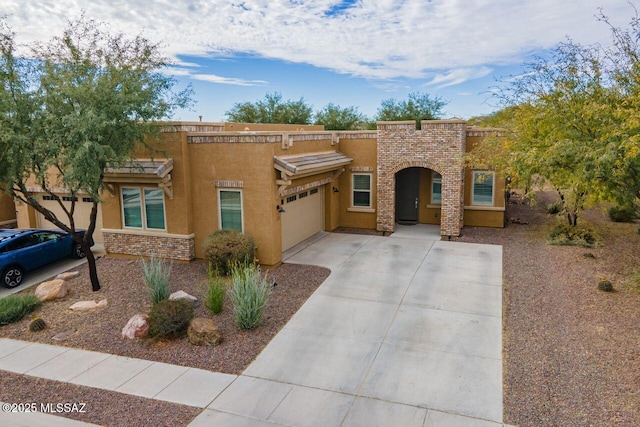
x,y
84,102
556,117
572,120
334,117
418,106
272,109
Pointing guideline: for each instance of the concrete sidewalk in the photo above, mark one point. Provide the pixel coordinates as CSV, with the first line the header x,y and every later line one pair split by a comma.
x,y
407,330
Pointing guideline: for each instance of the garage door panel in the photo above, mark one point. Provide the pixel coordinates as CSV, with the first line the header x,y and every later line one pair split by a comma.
x,y
303,217
81,217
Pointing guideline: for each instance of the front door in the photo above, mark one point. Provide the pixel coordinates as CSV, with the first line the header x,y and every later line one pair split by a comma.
x,y
407,191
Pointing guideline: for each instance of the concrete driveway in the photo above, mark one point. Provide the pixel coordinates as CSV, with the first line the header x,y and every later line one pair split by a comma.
x,y
49,271
407,330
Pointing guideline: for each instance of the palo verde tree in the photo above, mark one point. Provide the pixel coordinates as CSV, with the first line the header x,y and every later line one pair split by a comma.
x,y
271,109
80,104
572,121
555,119
418,106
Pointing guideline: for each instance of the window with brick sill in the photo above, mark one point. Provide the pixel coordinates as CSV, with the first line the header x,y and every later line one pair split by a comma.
x,y
143,208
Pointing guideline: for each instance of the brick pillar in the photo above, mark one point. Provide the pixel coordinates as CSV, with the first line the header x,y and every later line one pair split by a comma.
x,y
440,146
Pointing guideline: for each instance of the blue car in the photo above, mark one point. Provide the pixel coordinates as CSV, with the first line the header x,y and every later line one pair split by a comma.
x,y
25,250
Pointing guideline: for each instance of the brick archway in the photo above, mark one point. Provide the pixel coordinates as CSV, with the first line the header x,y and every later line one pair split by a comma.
x,y
440,146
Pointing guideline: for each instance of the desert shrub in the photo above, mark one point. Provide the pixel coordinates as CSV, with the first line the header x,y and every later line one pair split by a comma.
x,y
554,208
249,294
605,285
170,318
623,213
14,307
564,234
156,277
225,248
214,298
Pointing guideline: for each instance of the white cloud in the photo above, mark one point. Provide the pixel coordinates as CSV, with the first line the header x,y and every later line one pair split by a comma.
x,y
212,78
458,76
377,39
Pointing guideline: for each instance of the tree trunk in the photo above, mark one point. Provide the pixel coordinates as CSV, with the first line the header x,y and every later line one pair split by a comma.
x,y
572,217
93,270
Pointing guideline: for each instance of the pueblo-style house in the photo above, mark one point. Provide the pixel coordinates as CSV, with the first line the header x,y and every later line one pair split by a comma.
x,y
284,183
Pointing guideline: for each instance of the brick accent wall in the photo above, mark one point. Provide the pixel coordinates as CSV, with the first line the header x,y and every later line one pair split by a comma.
x,y
171,247
440,145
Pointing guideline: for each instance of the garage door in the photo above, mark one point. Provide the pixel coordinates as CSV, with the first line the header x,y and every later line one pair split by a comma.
x,y
81,215
303,217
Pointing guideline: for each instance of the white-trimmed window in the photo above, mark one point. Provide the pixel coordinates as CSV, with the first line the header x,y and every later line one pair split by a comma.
x,y
483,186
436,188
230,209
361,194
143,208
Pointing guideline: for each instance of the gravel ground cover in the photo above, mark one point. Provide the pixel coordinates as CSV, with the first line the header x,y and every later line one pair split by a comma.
x,y
100,330
571,352
123,287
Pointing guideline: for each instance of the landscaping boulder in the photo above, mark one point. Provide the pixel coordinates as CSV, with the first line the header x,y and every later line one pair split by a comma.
x,y
204,332
53,289
68,275
136,327
183,295
88,305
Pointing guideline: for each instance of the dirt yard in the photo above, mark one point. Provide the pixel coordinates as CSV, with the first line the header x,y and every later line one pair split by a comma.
x,y
571,352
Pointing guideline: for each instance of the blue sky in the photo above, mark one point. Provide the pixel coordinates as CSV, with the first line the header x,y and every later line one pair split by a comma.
x,y
349,52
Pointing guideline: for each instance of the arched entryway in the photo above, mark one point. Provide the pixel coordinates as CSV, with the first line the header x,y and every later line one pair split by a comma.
x,y
418,196
402,150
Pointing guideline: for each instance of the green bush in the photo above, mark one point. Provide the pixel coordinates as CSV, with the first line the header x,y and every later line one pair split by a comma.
x,y
249,294
14,307
605,286
214,298
170,318
225,248
156,277
623,213
554,208
564,234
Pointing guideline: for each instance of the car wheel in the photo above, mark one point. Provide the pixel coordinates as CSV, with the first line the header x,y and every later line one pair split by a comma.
x,y
12,277
77,251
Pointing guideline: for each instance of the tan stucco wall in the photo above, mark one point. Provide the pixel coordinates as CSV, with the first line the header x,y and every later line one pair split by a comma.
x,y
477,218
178,211
7,209
245,163
25,215
427,212
363,151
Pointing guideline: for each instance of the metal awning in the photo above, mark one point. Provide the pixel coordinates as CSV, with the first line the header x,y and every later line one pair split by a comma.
x,y
143,171
300,166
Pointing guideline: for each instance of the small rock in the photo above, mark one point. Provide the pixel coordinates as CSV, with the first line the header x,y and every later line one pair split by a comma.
x,y
183,295
88,305
204,332
63,335
53,289
136,327
68,275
